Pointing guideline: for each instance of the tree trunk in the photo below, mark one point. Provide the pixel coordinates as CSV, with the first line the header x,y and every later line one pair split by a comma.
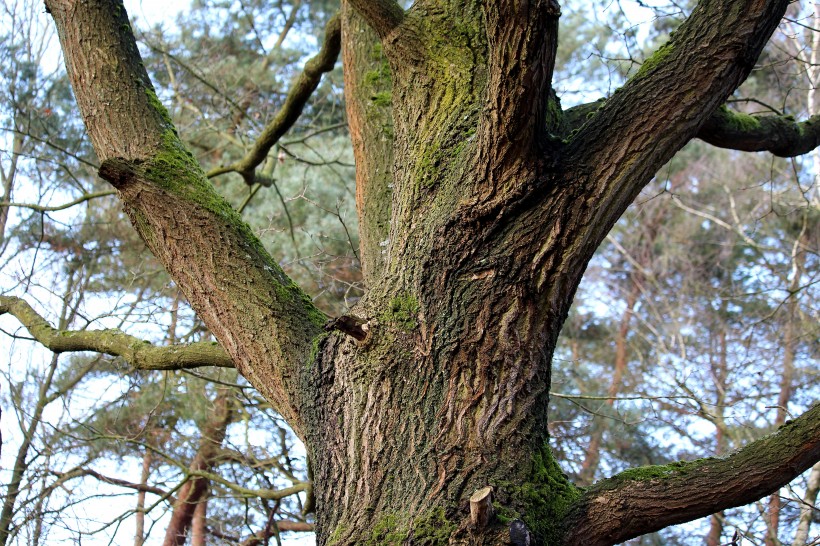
x,y
807,509
495,209
139,533
194,492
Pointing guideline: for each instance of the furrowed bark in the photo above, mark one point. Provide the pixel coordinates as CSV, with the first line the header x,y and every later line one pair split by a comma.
x,y
263,320
138,353
646,499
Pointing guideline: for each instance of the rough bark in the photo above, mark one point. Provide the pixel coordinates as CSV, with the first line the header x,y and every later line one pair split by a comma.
x,y
493,216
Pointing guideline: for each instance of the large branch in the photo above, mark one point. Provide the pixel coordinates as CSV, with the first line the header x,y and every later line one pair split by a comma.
x,y
302,89
383,16
140,354
264,321
636,131
780,135
646,499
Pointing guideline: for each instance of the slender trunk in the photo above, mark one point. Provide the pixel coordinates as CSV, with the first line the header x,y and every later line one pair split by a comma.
x,y
790,339
139,534
593,452
807,509
199,528
20,462
194,491
8,183
719,374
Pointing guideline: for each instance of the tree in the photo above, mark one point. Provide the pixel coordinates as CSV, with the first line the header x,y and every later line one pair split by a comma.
x,y
480,203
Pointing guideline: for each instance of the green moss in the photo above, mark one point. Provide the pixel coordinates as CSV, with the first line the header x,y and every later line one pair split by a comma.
x,y
387,532
433,529
739,121
544,499
382,98
336,535
654,472
655,60
157,105
402,312
505,515
378,81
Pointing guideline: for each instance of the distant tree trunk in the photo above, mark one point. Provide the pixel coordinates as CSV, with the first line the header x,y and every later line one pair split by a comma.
x,y
790,339
139,533
195,490
7,179
719,374
593,452
807,509
199,528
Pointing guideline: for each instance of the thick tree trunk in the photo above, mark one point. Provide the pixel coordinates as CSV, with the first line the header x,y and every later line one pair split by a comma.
x,y
495,210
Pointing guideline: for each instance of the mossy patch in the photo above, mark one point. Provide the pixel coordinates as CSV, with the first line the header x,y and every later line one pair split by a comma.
x,y
382,98
654,472
655,60
739,121
433,529
387,532
402,312
157,105
543,501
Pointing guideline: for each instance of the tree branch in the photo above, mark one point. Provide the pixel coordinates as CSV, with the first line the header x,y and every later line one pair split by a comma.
x,y
382,15
638,501
302,89
665,104
262,319
780,135
138,353
41,208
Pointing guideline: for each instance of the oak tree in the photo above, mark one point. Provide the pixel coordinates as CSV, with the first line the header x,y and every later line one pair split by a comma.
x,y
480,203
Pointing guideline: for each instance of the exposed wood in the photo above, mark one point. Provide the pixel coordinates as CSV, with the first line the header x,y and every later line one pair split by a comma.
x,y
481,508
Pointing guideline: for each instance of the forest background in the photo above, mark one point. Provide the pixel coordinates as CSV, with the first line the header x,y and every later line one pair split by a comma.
x,y
696,329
